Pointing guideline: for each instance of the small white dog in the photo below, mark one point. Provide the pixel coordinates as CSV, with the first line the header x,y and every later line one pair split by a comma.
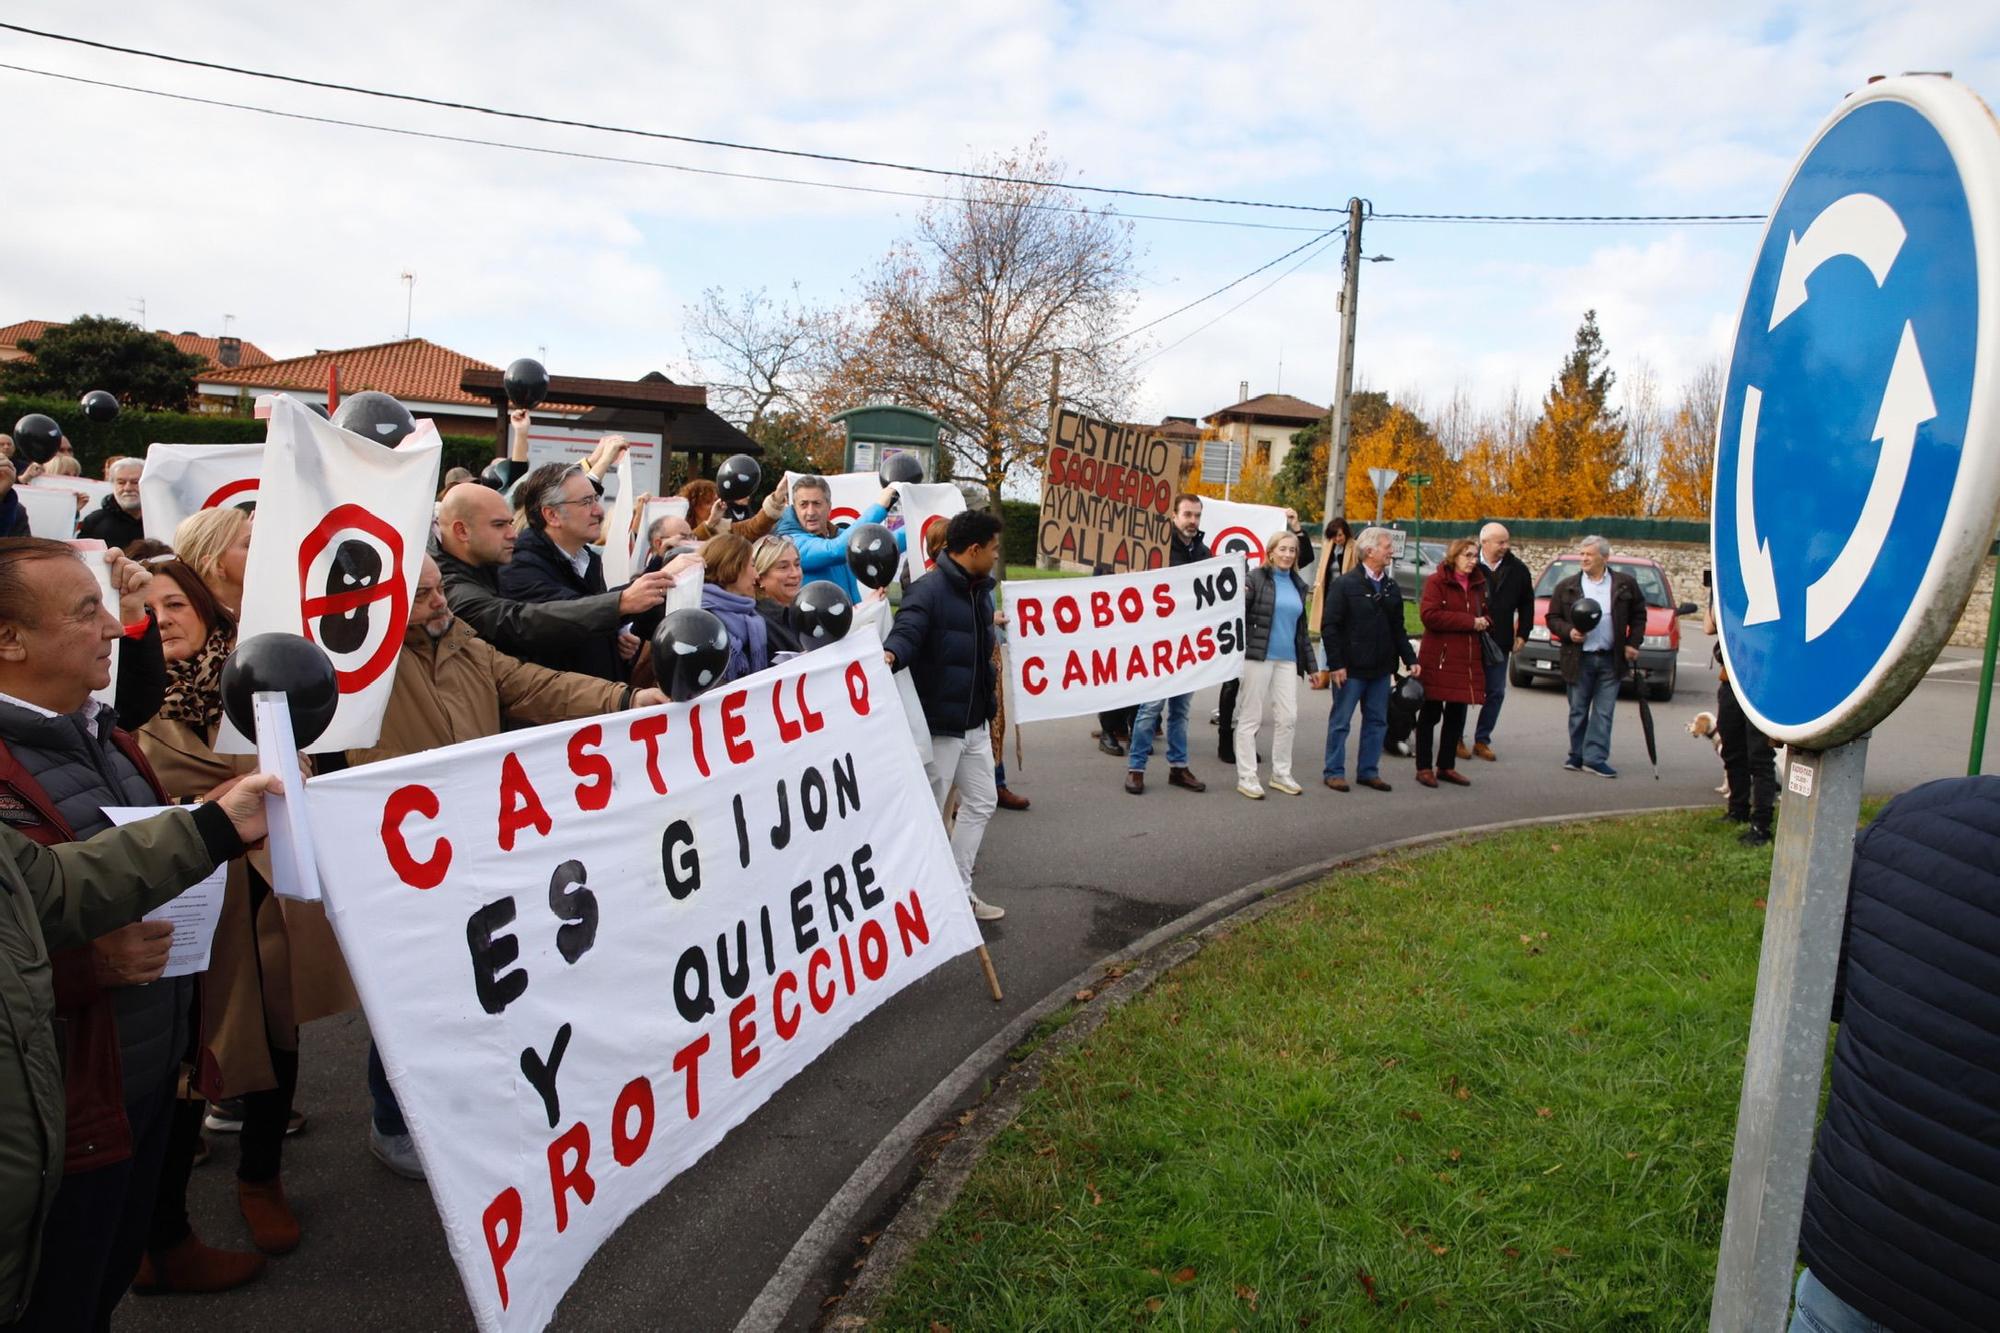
x,y
1704,726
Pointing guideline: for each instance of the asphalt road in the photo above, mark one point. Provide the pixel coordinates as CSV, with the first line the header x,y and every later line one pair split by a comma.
x,y
1086,871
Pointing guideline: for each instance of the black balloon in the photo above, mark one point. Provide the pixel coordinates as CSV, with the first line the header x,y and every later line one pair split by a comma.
x,y
738,478
822,613
872,554
37,437
1585,613
376,416
502,473
901,467
690,653
294,667
100,406
527,382
1412,691
320,408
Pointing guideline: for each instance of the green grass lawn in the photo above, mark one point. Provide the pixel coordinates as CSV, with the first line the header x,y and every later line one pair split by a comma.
x,y
1032,572
1489,1087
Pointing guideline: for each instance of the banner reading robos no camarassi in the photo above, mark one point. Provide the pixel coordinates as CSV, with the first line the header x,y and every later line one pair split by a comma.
x,y
589,950
1079,646
1108,494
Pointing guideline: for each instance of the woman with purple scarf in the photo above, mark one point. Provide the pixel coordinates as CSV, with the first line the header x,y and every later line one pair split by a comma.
x,y
730,594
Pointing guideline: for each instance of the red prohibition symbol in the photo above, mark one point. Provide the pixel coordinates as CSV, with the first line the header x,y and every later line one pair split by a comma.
x,y
1239,539
924,537
230,490
349,525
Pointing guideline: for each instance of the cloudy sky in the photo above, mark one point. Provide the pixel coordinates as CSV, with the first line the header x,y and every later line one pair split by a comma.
x,y
300,230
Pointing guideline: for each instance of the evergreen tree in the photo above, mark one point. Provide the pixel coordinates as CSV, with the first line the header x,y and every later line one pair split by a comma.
x,y
96,352
1575,463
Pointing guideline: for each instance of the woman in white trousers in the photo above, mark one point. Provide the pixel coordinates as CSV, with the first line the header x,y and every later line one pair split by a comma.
x,y
1279,651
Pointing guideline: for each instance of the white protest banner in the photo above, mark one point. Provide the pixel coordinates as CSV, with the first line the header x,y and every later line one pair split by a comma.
x,y
1077,646
339,542
1234,528
184,479
853,492
92,491
589,950
92,550
924,506
51,514
617,536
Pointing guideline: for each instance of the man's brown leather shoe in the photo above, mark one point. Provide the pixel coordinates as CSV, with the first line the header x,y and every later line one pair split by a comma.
x,y
1484,751
1338,784
1009,801
1184,777
1135,781
1426,777
1463,753
1375,783
1454,777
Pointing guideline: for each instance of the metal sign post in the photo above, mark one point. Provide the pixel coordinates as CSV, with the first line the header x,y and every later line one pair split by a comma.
x,y
1419,480
1856,488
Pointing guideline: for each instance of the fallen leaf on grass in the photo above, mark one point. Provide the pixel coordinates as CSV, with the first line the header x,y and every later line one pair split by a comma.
x,y
1464,1093
1544,1112
868,1237
1153,1304
1248,1295
1444,1177
965,1118
936,1327
1563,1252
1096,1199
1390,1062
1453,1153
1511,1252
1086,995
1183,1276
1440,1250
1758,903
1367,1286
1407,1114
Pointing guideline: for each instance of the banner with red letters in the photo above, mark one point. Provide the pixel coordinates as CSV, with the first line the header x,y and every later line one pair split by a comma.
x,y
589,950
342,523
1079,646
184,479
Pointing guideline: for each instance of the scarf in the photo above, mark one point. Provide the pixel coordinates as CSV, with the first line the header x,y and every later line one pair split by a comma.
x,y
749,645
194,687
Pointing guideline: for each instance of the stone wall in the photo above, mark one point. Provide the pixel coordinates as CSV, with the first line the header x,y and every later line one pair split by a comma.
x,y
1684,563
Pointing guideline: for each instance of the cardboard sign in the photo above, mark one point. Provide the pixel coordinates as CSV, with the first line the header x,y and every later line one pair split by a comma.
x,y
1078,646
1108,494
1234,528
589,950
184,479
335,554
925,506
853,493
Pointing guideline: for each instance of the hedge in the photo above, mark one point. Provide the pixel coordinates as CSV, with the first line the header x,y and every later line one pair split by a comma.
x,y
1021,520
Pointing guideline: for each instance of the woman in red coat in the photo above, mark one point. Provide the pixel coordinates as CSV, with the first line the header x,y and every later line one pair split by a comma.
x,y
1453,609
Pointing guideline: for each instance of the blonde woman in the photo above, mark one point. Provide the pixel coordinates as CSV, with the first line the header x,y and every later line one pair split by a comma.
x,y
1278,652
214,544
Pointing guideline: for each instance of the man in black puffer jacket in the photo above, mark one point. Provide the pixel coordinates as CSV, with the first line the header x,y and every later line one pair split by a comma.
x,y
1902,1213
944,635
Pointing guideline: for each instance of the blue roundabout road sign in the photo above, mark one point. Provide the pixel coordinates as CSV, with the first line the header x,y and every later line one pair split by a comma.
x,y
1857,469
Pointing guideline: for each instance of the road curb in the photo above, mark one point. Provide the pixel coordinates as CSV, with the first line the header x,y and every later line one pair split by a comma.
x,y
1126,972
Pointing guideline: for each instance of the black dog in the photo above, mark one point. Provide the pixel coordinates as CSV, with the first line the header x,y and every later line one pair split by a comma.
x,y
1402,719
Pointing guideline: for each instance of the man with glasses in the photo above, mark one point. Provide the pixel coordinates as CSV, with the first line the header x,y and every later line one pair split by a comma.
x,y
553,562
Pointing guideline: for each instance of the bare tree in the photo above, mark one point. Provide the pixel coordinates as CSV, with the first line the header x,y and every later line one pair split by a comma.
x,y
759,356
1687,453
965,315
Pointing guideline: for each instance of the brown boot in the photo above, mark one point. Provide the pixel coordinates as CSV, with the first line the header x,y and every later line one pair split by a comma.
x,y
273,1229
1184,777
190,1266
1009,801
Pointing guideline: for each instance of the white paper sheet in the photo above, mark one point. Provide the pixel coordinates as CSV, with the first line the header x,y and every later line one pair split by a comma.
x,y
193,914
294,871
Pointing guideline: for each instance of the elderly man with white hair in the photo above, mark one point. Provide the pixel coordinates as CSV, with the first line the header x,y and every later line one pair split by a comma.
x,y
116,522
1596,656
1510,605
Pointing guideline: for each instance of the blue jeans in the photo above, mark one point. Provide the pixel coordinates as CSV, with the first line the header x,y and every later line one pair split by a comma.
x,y
1141,748
1817,1310
388,1112
1373,696
1591,700
1489,712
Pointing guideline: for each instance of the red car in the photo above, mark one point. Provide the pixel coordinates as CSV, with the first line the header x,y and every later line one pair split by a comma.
x,y
1659,656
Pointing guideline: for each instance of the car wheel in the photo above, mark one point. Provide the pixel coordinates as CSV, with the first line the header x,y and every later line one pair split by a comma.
x,y
1664,690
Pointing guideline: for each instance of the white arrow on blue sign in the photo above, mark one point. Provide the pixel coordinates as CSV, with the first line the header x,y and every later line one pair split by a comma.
x,y
1857,470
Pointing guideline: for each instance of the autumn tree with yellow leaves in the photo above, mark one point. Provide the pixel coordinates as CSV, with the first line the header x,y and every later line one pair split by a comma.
x,y
1575,460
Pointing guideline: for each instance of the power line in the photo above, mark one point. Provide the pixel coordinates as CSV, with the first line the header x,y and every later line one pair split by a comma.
x,y
1233,282
1581,219
1324,244
1641,219
631,161
565,122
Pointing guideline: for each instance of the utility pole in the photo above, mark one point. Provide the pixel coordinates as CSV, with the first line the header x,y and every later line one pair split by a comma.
x,y
1336,449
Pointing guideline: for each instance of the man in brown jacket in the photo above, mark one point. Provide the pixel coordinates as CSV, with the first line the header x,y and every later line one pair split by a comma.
x,y
451,686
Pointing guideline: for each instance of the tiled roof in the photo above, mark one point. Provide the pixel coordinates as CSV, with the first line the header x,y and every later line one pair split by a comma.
x,y
411,369
209,349
1273,407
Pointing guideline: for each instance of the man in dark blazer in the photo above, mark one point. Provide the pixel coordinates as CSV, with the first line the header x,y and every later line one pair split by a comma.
x,y
1595,661
1361,633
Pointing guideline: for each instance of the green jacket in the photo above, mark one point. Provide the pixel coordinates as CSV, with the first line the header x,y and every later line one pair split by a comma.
x,y
58,898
